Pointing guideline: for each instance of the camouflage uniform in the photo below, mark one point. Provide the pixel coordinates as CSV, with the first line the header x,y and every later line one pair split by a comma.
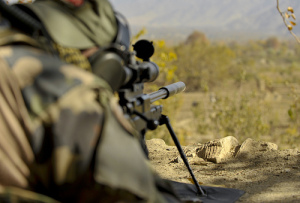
x,y
62,133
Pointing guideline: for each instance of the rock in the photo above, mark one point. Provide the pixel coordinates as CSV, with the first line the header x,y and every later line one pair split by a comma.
x,y
250,148
292,152
197,161
178,159
156,141
192,160
218,151
156,144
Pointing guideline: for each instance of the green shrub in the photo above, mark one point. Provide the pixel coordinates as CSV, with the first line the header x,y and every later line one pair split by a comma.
x,y
241,116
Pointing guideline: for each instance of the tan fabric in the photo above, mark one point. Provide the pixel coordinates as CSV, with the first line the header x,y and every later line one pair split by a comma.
x,y
83,28
15,150
9,36
16,195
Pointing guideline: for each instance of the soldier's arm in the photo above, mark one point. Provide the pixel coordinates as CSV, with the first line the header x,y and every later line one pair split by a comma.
x,y
80,141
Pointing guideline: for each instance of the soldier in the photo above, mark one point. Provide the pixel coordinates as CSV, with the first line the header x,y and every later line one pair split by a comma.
x,y
63,136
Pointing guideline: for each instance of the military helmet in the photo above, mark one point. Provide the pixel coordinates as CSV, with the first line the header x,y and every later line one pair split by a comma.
x,y
77,23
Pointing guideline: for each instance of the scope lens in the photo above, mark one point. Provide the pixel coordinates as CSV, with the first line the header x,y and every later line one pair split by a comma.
x,y
149,73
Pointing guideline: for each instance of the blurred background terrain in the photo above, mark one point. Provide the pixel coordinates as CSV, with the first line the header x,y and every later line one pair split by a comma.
x,y
239,62
222,20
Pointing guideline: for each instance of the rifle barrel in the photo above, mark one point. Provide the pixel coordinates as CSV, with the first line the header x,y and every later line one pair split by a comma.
x,y
167,91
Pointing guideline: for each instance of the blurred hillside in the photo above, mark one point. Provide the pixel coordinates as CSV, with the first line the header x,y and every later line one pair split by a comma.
x,y
246,90
226,19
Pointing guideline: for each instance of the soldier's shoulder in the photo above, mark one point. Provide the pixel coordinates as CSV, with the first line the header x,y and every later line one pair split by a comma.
x,y
44,79
9,35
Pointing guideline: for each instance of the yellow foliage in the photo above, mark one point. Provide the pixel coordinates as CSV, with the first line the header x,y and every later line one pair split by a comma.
x,y
163,56
293,23
290,9
139,34
292,131
161,43
172,56
285,16
170,75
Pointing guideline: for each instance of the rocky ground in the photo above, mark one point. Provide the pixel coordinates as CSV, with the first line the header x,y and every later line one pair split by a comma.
x,y
265,173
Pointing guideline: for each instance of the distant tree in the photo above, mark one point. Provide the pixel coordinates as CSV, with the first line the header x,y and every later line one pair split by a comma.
x,y
197,37
272,42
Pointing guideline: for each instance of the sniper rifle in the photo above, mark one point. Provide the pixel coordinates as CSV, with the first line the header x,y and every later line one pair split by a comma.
x,y
127,76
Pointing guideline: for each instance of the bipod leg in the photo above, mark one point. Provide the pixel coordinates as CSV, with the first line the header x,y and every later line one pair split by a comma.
x,y
165,120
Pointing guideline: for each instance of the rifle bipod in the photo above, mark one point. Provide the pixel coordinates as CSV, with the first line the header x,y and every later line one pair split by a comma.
x,y
165,120
152,125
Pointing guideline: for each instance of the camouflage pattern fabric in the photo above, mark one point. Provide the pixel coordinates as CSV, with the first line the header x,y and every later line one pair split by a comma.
x,y
63,135
15,195
93,24
73,56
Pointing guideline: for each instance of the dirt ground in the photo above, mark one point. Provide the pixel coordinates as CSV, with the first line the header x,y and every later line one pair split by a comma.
x,y
258,168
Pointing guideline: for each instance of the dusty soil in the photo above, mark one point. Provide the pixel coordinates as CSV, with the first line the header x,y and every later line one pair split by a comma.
x,y
263,172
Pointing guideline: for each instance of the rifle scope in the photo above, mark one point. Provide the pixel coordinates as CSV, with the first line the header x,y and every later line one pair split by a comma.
x,y
146,71
110,66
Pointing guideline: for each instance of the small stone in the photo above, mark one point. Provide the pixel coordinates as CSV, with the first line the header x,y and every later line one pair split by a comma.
x,y
218,151
194,155
250,146
197,161
178,159
292,152
156,141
